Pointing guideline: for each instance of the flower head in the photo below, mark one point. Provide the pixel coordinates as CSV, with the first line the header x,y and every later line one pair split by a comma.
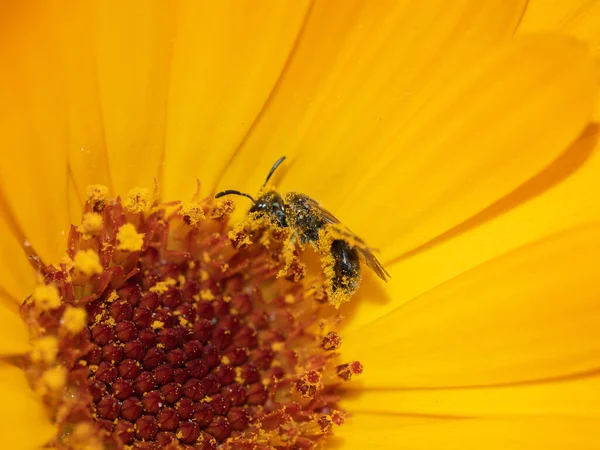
x,y
459,148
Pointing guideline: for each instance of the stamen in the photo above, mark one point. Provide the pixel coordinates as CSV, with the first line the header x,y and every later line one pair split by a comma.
x,y
346,371
53,379
46,297
97,196
137,200
192,213
74,319
332,341
163,328
45,350
87,262
129,239
91,224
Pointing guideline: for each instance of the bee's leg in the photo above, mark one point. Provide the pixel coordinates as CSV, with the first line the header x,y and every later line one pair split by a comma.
x,y
293,267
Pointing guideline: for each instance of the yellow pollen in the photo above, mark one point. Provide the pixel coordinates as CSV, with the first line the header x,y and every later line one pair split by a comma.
x,y
238,235
129,239
163,286
67,262
137,200
91,224
238,375
112,297
222,208
54,379
277,346
45,349
203,275
97,194
157,324
84,437
225,360
74,319
192,213
87,262
206,294
46,297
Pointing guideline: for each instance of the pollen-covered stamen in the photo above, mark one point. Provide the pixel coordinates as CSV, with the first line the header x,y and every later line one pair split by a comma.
x,y
347,371
137,200
158,330
332,341
46,297
91,224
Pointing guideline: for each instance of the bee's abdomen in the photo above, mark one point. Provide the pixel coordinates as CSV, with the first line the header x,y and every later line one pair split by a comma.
x,y
346,267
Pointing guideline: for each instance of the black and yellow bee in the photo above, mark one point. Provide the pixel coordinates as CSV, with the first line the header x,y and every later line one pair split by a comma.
x,y
307,219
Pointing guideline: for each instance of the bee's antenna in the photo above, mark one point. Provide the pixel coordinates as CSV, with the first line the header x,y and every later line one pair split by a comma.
x,y
231,191
275,166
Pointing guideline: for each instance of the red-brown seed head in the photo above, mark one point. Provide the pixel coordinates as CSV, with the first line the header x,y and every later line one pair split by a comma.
x,y
190,341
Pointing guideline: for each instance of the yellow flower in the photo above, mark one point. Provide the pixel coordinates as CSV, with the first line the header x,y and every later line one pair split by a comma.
x,y
463,153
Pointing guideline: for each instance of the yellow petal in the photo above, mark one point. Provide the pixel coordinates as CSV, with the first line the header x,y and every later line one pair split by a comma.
x,y
33,129
52,136
518,433
528,315
359,74
88,161
573,396
18,277
227,60
14,336
23,420
484,133
504,123
134,44
556,199
580,18
366,431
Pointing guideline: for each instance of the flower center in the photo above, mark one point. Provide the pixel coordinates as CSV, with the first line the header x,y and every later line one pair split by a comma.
x,y
162,327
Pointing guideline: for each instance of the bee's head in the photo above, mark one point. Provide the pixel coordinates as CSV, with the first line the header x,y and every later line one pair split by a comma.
x,y
271,204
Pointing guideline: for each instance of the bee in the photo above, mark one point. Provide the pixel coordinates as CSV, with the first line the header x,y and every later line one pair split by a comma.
x,y
310,223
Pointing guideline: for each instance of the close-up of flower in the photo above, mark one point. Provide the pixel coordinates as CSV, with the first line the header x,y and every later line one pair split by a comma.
x,y
157,292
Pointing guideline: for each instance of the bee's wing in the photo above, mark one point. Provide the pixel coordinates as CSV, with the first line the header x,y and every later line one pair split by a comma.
x,y
362,248
373,262
313,204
